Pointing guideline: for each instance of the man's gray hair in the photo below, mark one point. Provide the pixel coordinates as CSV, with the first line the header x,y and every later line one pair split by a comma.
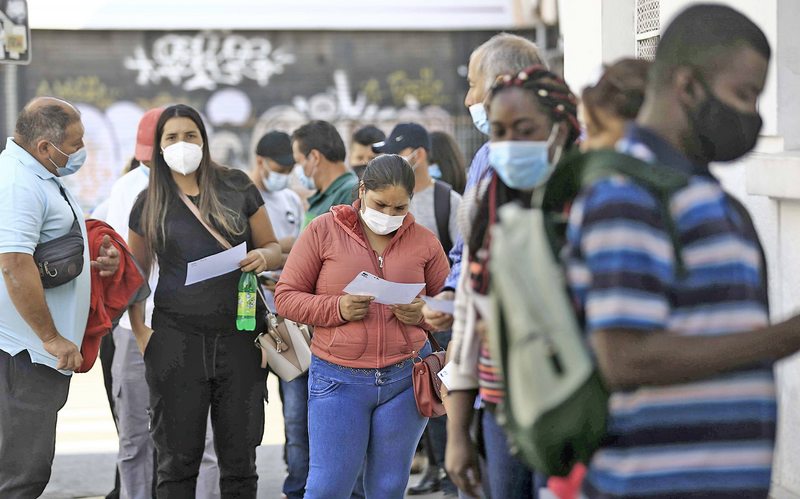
x,y
48,122
505,53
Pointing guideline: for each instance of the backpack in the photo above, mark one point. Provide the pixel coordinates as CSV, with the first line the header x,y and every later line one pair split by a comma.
x,y
441,208
555,410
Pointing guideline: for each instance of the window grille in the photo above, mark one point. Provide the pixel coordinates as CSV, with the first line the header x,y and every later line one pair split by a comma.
x,y
648,28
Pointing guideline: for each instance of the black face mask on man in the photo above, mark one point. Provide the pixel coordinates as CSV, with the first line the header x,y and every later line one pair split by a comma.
x,y
724,134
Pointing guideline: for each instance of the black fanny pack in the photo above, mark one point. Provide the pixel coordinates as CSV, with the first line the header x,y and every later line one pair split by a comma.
x,y
61,259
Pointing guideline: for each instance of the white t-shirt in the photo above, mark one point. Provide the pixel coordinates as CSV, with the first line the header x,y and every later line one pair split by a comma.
x,y
423,208
286,212
123,195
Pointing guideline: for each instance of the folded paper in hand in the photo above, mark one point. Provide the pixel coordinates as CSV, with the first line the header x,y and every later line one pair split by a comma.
x,y
444,306
215,265
385,292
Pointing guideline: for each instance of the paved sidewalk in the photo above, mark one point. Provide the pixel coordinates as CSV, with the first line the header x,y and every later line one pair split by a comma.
x,y
86,445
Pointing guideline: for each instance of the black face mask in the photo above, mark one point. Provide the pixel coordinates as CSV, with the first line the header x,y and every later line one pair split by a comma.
x,y
724,134
359,170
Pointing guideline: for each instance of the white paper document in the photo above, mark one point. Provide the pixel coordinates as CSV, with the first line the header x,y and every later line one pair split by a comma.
x,y
385,292
444,306
445,374
215,265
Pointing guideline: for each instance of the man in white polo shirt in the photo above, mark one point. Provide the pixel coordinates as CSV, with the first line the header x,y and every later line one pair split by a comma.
x,y
41,330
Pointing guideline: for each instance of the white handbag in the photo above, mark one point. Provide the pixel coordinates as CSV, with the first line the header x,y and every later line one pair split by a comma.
x,y
285,347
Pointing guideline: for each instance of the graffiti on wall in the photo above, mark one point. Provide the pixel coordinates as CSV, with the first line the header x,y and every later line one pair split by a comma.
x,y
223,75
207,60
233,119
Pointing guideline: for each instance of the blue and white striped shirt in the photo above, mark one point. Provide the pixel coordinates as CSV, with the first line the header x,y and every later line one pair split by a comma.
x,y
709,439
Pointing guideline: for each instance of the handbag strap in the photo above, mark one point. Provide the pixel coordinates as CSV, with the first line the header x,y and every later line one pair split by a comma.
x,y
435,344
196,212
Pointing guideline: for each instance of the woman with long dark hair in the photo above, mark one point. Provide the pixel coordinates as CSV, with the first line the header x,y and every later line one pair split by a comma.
x,y
195,358
447,162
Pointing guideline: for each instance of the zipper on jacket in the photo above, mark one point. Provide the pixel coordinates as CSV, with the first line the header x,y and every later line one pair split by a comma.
x,y
378,259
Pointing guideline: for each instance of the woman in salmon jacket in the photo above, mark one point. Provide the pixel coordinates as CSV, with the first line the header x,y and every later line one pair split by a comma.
x,y
361,401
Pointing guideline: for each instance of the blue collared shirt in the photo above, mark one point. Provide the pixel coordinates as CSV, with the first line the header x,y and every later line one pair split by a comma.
x,y
33,211
478,170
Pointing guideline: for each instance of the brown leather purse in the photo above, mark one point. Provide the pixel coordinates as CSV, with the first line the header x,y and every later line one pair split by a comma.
x,y
427,384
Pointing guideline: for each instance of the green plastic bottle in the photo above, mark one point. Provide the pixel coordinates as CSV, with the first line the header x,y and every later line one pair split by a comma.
x,y
246,309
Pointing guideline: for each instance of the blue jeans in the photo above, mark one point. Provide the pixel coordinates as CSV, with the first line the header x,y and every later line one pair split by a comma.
x,y
507,475
295,416
355,414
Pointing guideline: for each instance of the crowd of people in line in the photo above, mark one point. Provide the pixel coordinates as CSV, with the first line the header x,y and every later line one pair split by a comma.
x,y
682,342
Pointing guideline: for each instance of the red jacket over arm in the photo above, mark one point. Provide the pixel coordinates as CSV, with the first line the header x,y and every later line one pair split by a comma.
x,y
110,295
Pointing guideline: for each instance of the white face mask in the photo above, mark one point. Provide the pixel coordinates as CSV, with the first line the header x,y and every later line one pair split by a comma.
x,y
411,159
380,223
276,182
183,157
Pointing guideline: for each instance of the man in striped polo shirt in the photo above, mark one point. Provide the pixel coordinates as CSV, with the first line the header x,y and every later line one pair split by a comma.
x,y
688,355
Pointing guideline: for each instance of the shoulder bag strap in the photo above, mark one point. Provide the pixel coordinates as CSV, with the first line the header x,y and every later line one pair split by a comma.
x,y
64,195
224,242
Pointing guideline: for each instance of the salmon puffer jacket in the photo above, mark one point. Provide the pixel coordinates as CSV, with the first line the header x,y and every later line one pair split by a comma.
x,y
329,254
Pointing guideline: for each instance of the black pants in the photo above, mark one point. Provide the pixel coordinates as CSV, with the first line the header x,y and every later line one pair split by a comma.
x,y
30,397
187,373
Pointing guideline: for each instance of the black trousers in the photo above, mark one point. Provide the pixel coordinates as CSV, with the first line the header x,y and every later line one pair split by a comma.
x,y
187,373
30,397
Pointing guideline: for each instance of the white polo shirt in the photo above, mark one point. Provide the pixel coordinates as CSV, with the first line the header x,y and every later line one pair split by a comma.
x,y
123,195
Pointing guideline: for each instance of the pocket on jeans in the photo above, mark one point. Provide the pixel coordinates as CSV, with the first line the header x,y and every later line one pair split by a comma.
x,y
321,387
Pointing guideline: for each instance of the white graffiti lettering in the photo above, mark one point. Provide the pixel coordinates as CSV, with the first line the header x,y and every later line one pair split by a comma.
x,y
207,60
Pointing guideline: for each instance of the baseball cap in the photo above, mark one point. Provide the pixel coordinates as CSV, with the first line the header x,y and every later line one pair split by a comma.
x,y
276,146
146,134
404,135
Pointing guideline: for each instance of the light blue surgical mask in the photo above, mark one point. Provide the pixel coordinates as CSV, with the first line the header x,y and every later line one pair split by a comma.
x,y
306,181
479,117
276,182
434,171
523,164
74,161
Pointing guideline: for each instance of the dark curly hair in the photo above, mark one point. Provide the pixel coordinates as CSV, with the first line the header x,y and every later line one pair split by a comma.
x,y
557,101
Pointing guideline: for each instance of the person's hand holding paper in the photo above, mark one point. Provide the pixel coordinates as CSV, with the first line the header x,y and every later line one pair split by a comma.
x,y
385,292
354,307
409,314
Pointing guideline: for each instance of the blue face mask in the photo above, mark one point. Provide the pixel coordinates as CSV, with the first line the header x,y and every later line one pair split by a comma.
x,y
523,164
306,181
434,171
479,118
74,161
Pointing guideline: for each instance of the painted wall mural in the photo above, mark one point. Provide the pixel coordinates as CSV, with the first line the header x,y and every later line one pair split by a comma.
x,y
246,84
207,60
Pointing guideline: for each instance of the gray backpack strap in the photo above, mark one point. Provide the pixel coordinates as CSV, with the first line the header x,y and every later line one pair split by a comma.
x,y
441,206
